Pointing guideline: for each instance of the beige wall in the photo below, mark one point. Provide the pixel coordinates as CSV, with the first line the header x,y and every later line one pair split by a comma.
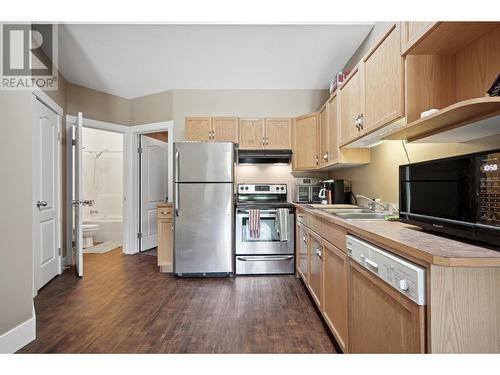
x,y
243,103
16,265
97,105
379,179
151,108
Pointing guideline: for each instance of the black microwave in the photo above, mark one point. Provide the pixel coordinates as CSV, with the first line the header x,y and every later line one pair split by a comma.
x,y
459,196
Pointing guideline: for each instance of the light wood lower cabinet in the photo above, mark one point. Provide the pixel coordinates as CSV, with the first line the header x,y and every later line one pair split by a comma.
x,y
165,237
316,268
382,320
302,246
335,306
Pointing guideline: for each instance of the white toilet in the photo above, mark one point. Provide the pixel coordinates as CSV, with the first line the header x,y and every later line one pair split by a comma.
x,y
89,231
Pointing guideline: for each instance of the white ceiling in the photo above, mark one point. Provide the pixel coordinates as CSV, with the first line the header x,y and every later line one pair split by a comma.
x,y
136,60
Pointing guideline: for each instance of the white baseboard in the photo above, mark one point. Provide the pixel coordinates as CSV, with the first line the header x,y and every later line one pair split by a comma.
x,y
17,337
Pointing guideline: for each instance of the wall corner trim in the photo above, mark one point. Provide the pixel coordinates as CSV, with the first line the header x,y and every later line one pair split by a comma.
x,y
13,340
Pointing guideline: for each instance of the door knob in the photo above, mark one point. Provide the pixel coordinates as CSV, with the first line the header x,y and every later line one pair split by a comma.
x,y
41,204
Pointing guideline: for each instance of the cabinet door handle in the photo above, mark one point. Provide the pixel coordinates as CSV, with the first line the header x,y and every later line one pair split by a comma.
x,y
263,141
319,253
304,239
317,160
361,121
267,141
325,156
164,212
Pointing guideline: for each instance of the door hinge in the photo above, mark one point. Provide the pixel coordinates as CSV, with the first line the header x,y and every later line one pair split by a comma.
x,y
139,150
60,251
139,235
73,142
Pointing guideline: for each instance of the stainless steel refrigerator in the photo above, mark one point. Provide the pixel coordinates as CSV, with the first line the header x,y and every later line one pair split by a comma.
x,y
203,208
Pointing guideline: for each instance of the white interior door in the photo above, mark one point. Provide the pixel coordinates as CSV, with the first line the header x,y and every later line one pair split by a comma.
x,y
45,194
78,201
154,188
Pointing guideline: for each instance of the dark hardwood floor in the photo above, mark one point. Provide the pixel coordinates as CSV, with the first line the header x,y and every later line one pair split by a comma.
x,y
124,305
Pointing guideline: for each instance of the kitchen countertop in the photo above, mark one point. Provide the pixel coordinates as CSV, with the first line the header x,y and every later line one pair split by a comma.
x,y
412,242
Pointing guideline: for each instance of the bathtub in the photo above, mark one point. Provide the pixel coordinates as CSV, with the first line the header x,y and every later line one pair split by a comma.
x,y
110,228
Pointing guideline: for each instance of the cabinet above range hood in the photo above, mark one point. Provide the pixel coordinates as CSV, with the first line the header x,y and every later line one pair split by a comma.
x,y
264,156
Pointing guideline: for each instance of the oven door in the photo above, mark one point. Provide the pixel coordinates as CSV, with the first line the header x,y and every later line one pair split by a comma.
x,y
268,243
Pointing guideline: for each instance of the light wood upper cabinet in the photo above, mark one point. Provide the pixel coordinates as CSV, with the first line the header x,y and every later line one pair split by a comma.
x,y
383,82
305,142
316,268
411,32
324,128
351,106
333,131
251,134
278,134
225,129
335,305
269,133
198,129
212,129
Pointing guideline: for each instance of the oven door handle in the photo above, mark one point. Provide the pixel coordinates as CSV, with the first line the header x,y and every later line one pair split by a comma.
x,y
264,258
242,211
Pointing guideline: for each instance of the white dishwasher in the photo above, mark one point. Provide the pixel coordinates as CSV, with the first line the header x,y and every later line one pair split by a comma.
x,y
386,299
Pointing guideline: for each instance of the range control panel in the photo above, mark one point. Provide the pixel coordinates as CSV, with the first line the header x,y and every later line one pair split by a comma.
x,y
489,189
406,277
262,189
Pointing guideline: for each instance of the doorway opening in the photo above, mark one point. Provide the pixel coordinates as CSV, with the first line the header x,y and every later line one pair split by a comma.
x,y
102,182
153,187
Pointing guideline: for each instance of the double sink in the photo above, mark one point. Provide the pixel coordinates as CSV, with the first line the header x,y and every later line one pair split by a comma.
x,y
355,213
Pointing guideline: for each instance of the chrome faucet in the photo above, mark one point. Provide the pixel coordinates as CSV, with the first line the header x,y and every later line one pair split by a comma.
x,y
373,203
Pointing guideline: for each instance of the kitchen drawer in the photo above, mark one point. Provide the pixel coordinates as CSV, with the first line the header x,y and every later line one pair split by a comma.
x,y
310,221
334,234
165,212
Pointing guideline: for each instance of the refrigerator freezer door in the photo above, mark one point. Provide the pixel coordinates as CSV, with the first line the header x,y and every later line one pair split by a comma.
x,y
203,162
204,228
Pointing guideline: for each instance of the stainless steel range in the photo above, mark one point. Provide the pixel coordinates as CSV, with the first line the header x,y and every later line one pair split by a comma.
x,y
264,230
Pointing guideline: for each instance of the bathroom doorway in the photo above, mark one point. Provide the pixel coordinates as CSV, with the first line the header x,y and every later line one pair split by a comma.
x,y
102,183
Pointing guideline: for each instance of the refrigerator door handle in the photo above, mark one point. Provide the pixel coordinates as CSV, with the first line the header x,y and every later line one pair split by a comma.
x,y
176,203
177,165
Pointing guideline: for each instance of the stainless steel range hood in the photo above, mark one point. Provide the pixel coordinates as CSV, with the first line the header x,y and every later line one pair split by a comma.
x,y
264,156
